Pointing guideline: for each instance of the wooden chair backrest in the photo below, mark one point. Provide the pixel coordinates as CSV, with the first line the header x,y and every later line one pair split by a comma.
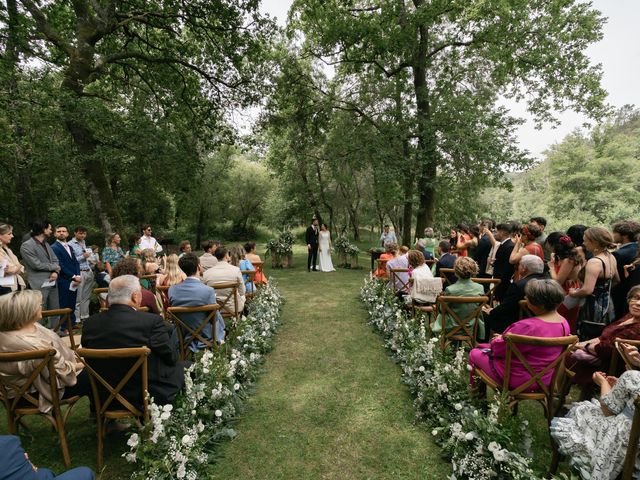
x,y
251,275
443,274
139,309
513,341
162,297
492,282
139,358
65,319
462,330
97,292
397,284
431,263
229,305
625,358
524,311
629,464
152,278
187,333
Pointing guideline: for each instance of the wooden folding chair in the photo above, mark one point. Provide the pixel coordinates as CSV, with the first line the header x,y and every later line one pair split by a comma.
x,y
443,274
251,274
101,298
139,309
544,394
228,304
492,283
524,311
613,366
430,263
65,319
463,331
632,447
396,282
162,297
19,401
108,399
187,333
151,278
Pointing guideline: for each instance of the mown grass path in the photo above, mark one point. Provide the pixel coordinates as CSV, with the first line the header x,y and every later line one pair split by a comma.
x,y
330,404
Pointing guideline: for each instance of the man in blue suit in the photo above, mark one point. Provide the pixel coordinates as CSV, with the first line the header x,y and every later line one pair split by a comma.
x,y
193,293
446,260
69,277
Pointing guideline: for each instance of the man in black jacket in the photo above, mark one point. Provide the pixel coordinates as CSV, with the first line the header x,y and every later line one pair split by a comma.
x,y
502,269
311,237
122,326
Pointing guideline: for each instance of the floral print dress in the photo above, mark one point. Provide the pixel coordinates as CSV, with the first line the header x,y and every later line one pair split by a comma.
x,y
596,445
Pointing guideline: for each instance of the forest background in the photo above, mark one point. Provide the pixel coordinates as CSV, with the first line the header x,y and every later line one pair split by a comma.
x,y
115,114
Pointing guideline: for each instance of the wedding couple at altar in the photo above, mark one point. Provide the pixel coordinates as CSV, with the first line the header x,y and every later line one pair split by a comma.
x,y
318,242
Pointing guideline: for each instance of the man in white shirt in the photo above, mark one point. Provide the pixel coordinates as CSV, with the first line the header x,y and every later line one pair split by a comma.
x,y
387,237
207,259
147,241
224,272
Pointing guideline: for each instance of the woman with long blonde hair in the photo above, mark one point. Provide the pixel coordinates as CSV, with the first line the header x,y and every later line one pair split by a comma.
x,y
172,274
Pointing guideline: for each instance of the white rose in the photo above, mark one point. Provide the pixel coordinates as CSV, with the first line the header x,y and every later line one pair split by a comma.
x,y
493,446
458,406
133,440
182,471
422,369
167,408
469,436
236,387
434,432
500,455
218,413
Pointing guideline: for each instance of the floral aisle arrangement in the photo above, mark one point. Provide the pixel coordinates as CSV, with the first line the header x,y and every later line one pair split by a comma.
x,y
179,439
481,445
347,252
281,250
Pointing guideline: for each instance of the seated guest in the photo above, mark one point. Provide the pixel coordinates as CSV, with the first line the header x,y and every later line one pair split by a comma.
x,y
391,250
465,268
208,259
446,260
193,293
239,259
497,319
171,275
595,354
122,326
430,243
543,297
149,262
224,272
525,244
17,466
185,247
134,246
20,331
131,266
422,248
564,267
423,287
250,248
401,279
594,435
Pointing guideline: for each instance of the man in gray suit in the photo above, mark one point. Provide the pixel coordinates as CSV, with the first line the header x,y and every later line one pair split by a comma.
x,y
193,293
42,265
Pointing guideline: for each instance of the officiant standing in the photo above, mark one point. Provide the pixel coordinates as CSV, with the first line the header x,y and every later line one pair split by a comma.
x,y
311,238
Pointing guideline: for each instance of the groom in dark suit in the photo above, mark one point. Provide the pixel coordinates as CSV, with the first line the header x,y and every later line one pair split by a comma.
x,y
311,237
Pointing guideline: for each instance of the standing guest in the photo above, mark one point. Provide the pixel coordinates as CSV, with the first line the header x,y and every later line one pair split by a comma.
x,y
224,272
69,277
185,247
42,265
10,268
208,259
525,244
131,266
122,326
430,243
502,268
134,246
401,279
83,255
311,237
483,248
112,253
564,267
541,223
193,293
254,258
239,259
601,273
625,234
147,241
387,237
462,239
576,233
446,260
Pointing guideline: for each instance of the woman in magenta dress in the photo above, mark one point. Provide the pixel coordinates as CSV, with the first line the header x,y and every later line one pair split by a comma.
x,y
543,298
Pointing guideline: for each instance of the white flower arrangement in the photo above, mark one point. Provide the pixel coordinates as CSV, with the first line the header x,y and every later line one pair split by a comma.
x,y
480,446
179,439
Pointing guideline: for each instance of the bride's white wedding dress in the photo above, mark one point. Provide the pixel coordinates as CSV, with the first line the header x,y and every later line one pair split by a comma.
x,y
326,265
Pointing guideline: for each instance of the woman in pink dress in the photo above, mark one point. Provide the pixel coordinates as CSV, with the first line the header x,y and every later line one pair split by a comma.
x,y
543,298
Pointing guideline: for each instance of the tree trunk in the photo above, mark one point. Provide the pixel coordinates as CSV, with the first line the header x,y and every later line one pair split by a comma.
x,y
407,213
200,225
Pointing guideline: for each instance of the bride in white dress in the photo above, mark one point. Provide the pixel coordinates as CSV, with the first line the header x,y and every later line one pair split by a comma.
x,y
324,250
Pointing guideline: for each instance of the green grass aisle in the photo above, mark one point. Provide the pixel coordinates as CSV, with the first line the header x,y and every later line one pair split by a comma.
x,y
330,403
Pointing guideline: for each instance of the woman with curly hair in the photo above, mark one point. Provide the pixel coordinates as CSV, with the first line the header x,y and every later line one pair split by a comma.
x,y
564,267
525,244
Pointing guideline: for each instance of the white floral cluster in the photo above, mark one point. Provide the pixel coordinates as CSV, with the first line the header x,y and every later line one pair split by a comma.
x,y
480,445
179,439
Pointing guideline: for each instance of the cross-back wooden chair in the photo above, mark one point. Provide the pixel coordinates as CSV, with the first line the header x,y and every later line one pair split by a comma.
x,y
65,319
544,394
20,401
613,366
443,274
107,394
259,266
139,309
229,305
465,329
162,298
151,278
188,334
102,299
396,282
524,311
629,464
492,284
430,263
251,276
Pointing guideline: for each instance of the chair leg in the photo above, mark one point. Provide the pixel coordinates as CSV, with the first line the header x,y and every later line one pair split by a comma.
x,y
63,440
555,459
102,426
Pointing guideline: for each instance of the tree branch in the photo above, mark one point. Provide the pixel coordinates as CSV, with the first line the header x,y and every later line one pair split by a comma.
x,y
46,29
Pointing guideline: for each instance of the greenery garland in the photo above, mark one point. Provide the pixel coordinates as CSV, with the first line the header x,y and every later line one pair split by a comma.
x,y
180,438
480,445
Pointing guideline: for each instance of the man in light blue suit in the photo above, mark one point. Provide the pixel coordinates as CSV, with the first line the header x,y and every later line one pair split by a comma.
x,y
193,293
